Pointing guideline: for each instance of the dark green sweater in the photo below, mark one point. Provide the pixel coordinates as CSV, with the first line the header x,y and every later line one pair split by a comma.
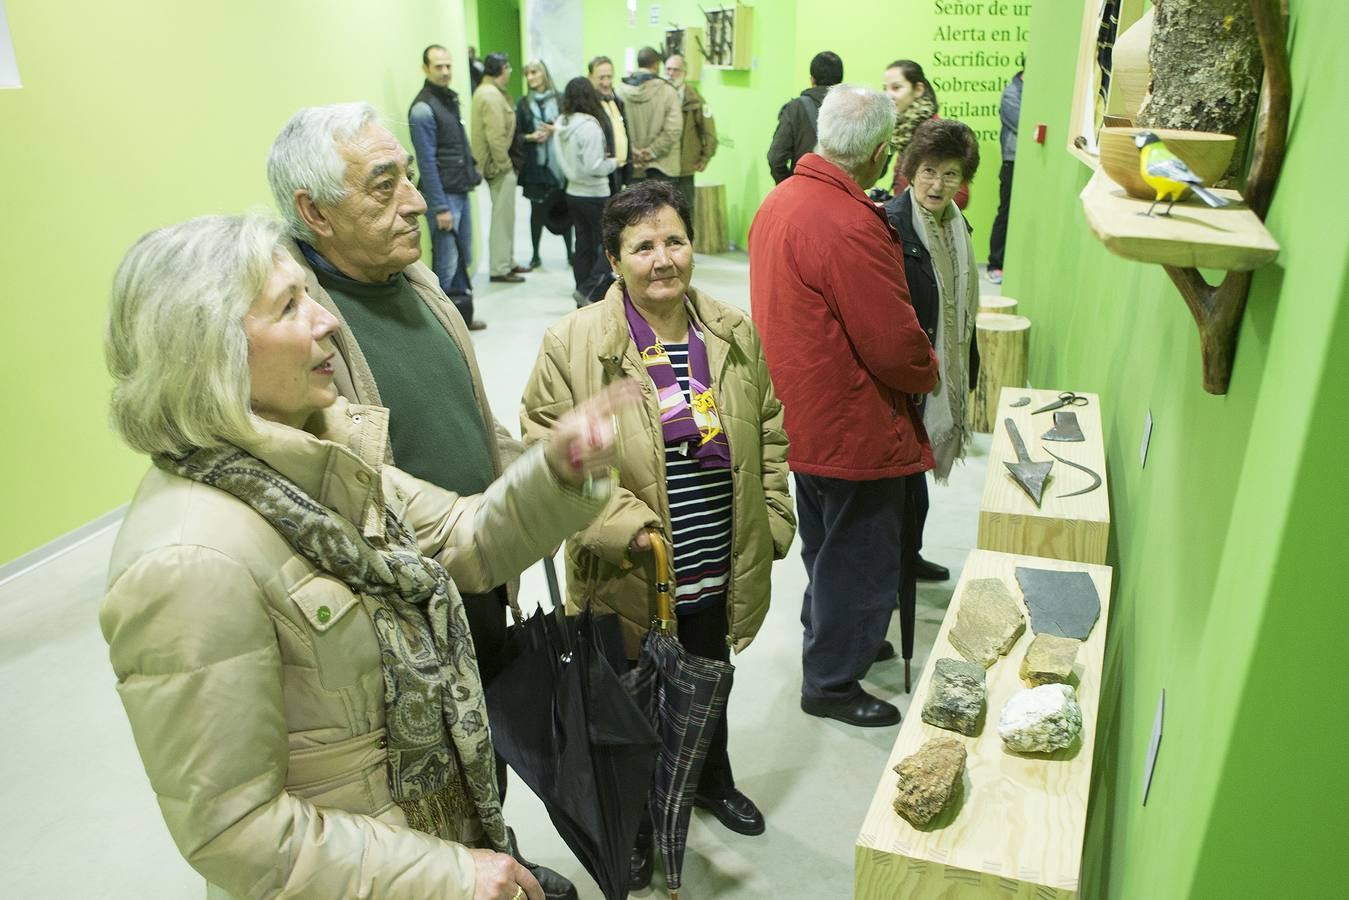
x,y
435,427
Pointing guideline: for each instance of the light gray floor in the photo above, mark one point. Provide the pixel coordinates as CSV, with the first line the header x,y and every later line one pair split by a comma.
x,y
79,819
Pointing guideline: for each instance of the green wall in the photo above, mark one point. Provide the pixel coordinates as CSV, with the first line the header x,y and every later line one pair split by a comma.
x,y
1222,543
132,117
498,31
787,33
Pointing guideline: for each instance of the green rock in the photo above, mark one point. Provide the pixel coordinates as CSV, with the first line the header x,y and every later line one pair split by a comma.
x,y
957,697
988,621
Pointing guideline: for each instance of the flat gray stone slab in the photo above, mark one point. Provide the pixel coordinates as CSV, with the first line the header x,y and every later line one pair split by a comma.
x,y
1061,603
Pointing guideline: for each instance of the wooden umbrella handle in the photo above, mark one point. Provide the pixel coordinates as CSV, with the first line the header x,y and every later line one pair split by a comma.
x,y
664,621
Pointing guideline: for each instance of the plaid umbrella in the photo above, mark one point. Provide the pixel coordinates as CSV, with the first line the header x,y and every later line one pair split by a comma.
x,y
684,697
567,725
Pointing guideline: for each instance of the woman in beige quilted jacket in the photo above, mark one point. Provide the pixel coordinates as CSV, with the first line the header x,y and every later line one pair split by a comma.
x,y
283,610
704,461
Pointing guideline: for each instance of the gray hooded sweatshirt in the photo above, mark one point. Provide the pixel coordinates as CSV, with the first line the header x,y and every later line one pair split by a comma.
x,y
580,147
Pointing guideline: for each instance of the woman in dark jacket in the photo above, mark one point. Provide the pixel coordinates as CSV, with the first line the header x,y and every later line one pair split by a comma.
x,y
940,160
541,176
915,103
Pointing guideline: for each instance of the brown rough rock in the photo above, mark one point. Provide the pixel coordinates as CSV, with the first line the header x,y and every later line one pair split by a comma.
x,y
1049,660
988,622
928,778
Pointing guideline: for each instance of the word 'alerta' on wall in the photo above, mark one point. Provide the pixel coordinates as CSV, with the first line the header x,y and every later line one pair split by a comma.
x,y
977,46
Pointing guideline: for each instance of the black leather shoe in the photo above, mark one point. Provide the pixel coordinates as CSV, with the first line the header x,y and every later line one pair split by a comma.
x,y
862,710
639,865
734,810
510,278
930,571
885,651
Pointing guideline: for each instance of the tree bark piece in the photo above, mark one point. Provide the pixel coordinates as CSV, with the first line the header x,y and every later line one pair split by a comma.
x,y
1005,306
1004,342
1206,70
709,218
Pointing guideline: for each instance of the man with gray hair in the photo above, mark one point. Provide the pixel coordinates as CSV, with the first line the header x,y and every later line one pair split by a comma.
x,y
846,354
345,187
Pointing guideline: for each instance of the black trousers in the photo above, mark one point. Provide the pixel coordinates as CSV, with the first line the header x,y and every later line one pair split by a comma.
x,y
685,185
703,633
538,214
997,239
486,614
850,544
588,265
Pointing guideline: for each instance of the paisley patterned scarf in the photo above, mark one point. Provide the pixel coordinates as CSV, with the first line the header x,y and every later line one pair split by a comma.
x,y
699,424
442,771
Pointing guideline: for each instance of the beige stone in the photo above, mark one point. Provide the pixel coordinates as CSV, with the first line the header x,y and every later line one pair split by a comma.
x,y
1049,660
928,778
988,621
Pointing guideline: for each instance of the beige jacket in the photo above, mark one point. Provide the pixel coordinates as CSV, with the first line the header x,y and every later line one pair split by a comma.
x,y
493,129
655,123
592,347
355,381
253,682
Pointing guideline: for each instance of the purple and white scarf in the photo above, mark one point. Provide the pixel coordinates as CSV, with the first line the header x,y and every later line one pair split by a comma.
x,y
698,423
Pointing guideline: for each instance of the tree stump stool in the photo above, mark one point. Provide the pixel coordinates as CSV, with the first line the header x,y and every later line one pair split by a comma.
x,y
1003,344
1001,305
709,219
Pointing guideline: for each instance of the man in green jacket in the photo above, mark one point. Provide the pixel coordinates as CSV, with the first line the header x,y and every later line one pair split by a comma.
x,y
699,138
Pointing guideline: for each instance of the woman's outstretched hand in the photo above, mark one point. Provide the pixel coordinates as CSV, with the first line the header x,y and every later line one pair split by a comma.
x,y
585,441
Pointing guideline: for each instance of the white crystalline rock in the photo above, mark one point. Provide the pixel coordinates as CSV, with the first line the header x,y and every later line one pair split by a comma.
x,y
1041,719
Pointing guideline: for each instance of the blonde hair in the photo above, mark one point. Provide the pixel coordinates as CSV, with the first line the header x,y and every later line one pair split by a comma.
x,y
175,342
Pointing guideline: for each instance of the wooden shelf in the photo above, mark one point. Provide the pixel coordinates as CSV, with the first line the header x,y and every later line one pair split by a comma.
x,y
1194,236
1016,826
1076,528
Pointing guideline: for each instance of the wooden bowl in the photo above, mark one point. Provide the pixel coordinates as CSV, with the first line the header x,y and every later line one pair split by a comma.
x,y
1205,152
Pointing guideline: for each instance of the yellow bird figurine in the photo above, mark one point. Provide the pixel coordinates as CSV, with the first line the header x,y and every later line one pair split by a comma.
x,y
1168,175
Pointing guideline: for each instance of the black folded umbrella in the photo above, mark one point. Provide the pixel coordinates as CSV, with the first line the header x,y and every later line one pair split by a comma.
x,y
564,722
684,697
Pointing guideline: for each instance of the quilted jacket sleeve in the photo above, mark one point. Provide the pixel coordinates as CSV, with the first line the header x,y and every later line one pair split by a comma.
x,y
199,672
547,396
485,539
773,443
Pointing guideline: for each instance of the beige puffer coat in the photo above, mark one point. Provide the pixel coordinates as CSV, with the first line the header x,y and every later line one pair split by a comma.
x,y
253,682
591,348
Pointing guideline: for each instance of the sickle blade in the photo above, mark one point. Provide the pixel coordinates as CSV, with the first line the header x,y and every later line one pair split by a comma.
x,y
1095,479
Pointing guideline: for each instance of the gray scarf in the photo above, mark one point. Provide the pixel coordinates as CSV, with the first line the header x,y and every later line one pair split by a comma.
x,y
442,770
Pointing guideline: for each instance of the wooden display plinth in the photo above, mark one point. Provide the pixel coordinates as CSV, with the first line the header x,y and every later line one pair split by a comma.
x,y
1016,825
709,218
1001,305
1074,528
1004,342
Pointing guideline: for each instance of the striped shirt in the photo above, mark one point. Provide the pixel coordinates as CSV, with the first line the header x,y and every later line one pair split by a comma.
x,y
700,515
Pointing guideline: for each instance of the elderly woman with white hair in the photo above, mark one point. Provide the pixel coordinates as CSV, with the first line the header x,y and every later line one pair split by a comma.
x,y
283,611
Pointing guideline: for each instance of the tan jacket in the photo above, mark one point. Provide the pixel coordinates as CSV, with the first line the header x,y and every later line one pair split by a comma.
x,y
493,129
355,381
655,122
253,682
592,347
699,139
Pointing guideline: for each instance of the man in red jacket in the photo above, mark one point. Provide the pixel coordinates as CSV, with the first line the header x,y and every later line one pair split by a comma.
x,y
846,354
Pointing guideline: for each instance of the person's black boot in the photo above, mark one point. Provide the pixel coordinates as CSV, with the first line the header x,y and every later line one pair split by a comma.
x,y
640,864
